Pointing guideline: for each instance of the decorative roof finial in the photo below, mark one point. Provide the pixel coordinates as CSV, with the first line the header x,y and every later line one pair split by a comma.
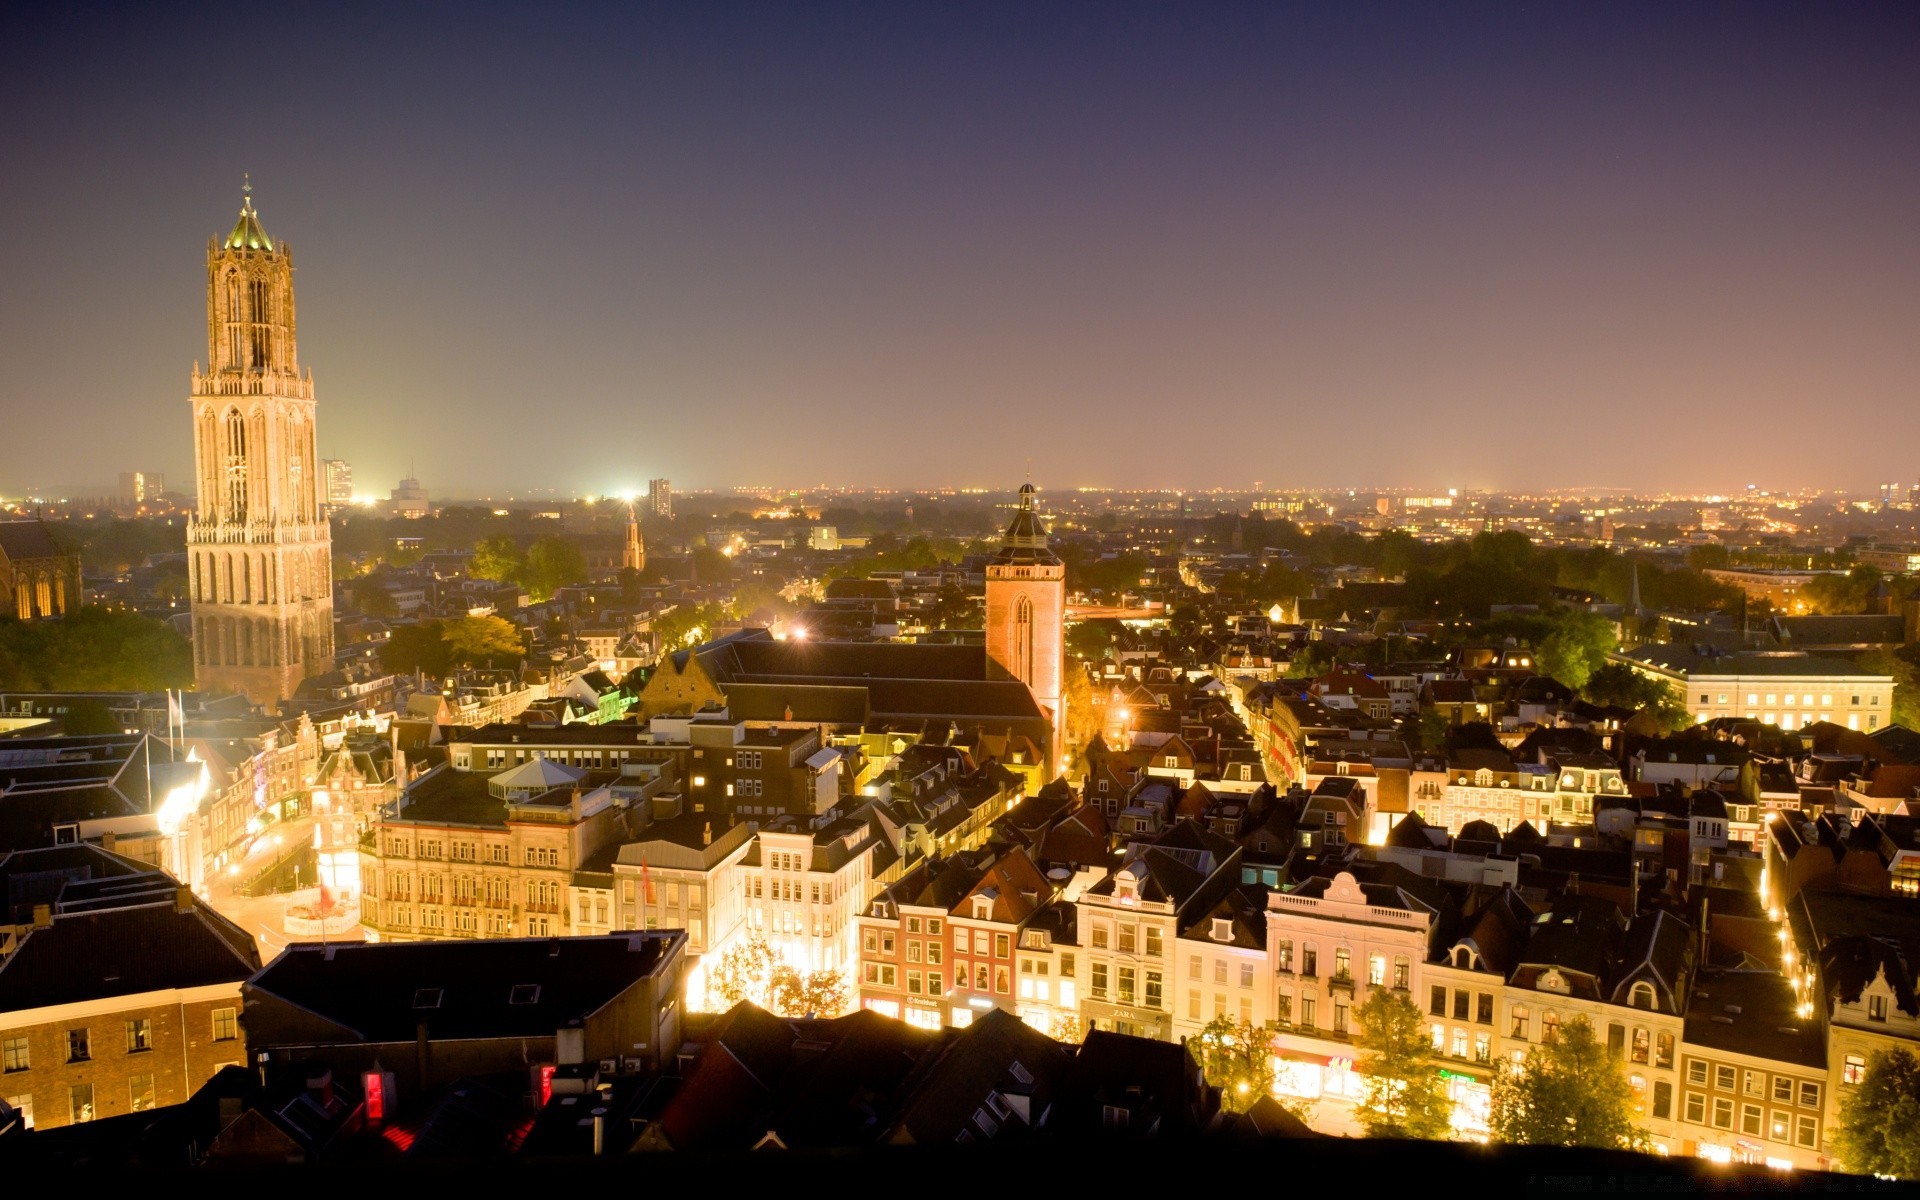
x,y
246,191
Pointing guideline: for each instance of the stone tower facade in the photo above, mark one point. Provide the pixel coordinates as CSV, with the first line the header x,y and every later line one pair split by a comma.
x,y
259,550
633,555
1026,616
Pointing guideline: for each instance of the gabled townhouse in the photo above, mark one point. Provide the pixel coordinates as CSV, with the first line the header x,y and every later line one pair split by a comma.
x,y
1130,920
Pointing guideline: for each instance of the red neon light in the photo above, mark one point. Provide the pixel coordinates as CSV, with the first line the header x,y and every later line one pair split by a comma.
x,y
546,1083
376,1096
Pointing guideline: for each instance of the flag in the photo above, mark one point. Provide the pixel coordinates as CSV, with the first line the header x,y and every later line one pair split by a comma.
x,y
646,883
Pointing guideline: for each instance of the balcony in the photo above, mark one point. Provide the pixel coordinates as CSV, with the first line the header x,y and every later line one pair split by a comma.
x,y
1342,981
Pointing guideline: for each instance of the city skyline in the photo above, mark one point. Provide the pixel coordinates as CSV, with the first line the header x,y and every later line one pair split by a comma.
x,y
1470,245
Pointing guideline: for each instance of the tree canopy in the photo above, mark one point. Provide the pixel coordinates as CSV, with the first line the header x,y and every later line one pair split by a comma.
x,y
1568,1092
93,649
1879,1128
1405,1096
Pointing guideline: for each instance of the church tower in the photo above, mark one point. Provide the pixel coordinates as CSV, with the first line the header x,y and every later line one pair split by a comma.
x,y
1026,616
258,547
633,556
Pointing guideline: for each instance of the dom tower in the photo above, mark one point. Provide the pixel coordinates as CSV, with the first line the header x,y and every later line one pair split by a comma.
x,y
1026,616
258,547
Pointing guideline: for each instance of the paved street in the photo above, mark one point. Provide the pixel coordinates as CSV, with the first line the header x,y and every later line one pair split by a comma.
x,y
264,916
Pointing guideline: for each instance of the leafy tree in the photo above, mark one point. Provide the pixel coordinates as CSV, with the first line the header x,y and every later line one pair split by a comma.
x,y
1576,647
371,597
1185,620
813,994
742,973
1089,640
421,648
553,562
94,649
1879,1128
85,717
687,625
1906,684
482,641
1237,1057
1623,687
498,557
1568,1092
1405,1096
1836,594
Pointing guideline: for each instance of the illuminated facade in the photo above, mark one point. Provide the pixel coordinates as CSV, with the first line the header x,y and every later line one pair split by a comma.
x,y
1784,688
258,547
1026,615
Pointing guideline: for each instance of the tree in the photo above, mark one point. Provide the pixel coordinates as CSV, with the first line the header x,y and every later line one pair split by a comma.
x,y
482,641
1185,620
1577,647
742,973
553,562
411,648
813,994
1621,686
1237,1058
1568,1092
1089,640
87,716
1405,1096
498,557
1879,1129
1906,684
371,597
93,649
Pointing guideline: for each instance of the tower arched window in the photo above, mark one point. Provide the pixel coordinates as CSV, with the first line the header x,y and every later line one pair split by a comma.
x,y
1022,648
236,466
233,320
260,315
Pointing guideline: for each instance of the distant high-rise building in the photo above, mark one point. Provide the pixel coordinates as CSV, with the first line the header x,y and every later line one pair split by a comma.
x,y
339,482
258,547
140,487
409,499
660,497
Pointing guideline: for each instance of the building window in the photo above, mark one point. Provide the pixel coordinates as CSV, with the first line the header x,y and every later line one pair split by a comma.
x,y
1697,1071
1401,967
24,1106
139,1036
1809,1095
1307,1006
1283,960
1520,1022
140,1093
1437,1001
1852,1071
1805,1131
80,1103
1098,987
1723,1078
1662,1099
1663,1050
1309,961
1376,970
1876,1008
1550,1026
1246,975
1750,1120
1696,1109
1124,980
15,1054
1639,1051
79,1049
226,1025
1461,999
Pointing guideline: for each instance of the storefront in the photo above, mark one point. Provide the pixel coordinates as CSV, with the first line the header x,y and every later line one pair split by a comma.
x,y
1313,1076
1472,1097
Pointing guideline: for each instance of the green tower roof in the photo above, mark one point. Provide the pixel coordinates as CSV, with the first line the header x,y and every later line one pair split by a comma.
x,y
247,234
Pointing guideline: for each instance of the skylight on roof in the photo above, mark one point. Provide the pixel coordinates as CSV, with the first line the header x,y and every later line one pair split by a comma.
x,y
524,993
428,998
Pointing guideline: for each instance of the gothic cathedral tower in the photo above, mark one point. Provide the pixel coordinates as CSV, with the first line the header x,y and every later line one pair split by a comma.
x,y
1026,616
258,546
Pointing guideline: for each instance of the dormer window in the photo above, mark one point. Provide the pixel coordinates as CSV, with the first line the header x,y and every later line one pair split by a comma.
x,y
1222,929
1641,996
982,909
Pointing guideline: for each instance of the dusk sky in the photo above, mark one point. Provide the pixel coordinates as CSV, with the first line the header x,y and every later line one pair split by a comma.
x,y
1523,245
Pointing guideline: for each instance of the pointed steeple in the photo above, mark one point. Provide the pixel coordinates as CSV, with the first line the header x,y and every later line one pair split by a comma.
x,y
1633,594
247,233
634,556
1025,540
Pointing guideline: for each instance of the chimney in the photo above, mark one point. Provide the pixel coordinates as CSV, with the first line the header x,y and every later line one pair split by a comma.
x,y
183,899
320,1085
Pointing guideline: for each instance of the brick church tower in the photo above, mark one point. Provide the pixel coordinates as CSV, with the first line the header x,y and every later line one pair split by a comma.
x,y
1026,616
259,549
